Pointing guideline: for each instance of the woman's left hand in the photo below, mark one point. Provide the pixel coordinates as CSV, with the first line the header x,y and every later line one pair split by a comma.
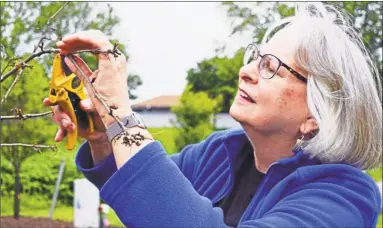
x,y
109,80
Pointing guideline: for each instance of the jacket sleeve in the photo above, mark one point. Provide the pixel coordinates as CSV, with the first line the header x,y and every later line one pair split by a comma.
x,y
150,190
98,174
186,160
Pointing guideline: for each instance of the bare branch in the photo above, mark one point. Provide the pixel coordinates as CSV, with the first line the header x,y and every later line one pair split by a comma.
x,y
20,116
40,45
27,60
106,106
34,146
115,52
9,63
47,26
12,85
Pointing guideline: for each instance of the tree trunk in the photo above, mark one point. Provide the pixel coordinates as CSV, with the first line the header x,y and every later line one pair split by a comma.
x,y
16,208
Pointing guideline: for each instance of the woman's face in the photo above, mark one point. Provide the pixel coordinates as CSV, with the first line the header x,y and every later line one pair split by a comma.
x,y
276,105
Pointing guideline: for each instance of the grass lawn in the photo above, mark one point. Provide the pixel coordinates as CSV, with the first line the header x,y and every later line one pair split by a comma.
x,y
376,174
34,207
166,137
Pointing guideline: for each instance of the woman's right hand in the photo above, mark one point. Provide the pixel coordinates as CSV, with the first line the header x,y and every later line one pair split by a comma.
x,y
98,140
65,124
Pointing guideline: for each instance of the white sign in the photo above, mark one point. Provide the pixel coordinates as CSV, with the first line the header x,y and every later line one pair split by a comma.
x,y
86,204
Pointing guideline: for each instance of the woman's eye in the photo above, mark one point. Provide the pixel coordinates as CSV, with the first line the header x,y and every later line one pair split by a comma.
x,y
269,66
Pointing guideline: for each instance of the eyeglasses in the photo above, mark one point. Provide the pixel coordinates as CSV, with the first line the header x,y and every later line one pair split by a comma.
x,y
269,64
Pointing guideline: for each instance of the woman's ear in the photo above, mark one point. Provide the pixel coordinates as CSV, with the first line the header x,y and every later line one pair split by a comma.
x,y
309,128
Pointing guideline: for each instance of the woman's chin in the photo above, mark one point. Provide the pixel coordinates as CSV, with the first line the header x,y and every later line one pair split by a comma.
x,y
237,113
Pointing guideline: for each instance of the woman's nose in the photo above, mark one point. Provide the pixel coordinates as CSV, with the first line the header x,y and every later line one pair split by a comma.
x,y
249,73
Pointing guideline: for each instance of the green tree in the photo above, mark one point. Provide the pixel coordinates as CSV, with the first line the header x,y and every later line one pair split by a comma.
x,y
195,117
217,76
27,95
365,16
22,25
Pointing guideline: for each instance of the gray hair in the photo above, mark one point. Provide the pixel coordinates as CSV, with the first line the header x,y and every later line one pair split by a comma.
x,y
344,89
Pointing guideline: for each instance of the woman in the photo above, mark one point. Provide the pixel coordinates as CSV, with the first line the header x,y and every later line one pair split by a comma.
x,y
309,104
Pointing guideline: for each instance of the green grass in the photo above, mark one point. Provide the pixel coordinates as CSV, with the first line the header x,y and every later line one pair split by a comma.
x,y
35,207
380,224
166,136
376,174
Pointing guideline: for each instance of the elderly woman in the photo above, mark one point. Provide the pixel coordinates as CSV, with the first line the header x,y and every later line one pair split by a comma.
x,y
310,108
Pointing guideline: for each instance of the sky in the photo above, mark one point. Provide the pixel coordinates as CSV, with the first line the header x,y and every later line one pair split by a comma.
x,y
165,39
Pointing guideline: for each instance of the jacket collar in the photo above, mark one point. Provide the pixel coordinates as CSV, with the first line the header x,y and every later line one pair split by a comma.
x,y
235,139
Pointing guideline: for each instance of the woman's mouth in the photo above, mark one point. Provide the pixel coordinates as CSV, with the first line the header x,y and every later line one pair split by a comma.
x,y
244,96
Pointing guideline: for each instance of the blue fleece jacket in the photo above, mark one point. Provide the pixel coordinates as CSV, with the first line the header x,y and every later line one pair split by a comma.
x,y
155,190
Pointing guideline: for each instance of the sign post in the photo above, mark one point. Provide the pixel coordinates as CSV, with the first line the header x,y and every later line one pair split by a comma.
x,y
57,188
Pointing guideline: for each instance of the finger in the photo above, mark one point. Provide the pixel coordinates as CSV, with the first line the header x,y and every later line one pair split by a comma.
x,y
60,135
65,123
46,102
91,39
78,67
87,105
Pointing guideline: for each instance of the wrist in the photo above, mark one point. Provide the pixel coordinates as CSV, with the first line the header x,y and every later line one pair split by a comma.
x,y
100,148
120,113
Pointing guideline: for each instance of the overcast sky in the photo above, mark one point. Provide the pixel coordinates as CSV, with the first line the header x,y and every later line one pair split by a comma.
x,y
165,39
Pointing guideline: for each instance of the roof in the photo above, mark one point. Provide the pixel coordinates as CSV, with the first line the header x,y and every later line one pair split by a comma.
x,y
161,102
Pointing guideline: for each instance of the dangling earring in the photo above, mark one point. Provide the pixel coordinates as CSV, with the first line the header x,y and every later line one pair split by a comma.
x,y
301,142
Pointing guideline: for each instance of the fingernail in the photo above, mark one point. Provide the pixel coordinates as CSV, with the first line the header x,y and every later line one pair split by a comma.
x,y
65,122
57,135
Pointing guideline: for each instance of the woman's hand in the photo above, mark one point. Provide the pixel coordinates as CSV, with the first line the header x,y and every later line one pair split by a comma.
x,y
109,80
98,140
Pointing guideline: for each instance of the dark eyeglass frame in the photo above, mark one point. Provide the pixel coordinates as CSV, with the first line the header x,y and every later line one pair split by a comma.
x,y
280,63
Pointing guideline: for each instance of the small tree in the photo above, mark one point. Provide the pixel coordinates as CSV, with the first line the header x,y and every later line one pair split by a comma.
x,y
195,117
27,75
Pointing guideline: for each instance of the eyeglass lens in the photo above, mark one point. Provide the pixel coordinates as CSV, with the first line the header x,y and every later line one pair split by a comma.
x,y
268,65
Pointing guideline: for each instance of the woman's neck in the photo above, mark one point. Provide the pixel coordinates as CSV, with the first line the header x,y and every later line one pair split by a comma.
x,y
269,149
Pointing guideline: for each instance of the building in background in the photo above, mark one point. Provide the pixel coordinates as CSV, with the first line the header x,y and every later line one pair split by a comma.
x,y
156,112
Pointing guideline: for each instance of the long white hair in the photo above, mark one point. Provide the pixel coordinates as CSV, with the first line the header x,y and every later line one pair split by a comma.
x,y
344,91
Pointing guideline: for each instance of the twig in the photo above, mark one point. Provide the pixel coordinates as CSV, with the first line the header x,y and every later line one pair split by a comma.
x,y
34,146
106,106
39,44
12,85
27,60
8,64
115,52
47,26
20,116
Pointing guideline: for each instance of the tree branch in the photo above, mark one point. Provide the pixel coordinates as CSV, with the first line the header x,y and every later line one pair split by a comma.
x,y
8,64
12,85
23,64
99,98
39,44
20,116
47,26
34,146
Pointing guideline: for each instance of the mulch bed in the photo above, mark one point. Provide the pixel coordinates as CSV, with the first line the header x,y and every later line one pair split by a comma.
x,y
10,222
